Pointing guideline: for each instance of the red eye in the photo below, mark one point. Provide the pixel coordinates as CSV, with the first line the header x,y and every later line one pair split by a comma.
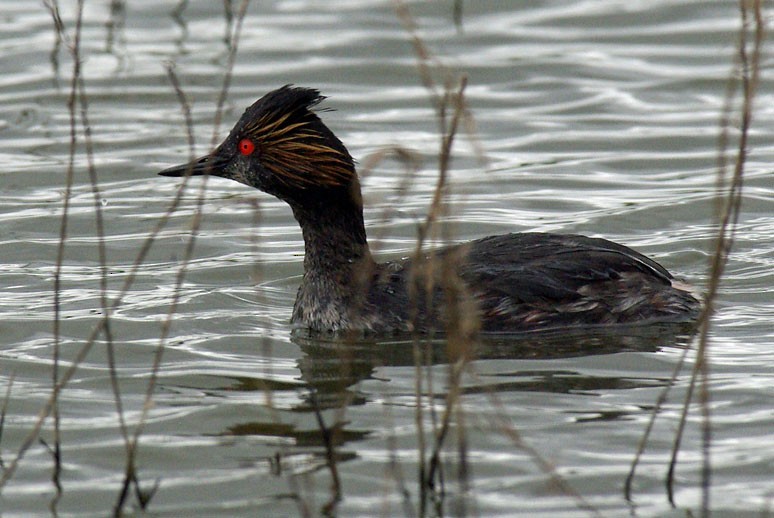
x,y
246,146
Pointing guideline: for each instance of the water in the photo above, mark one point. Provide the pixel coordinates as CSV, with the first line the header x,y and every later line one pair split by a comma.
x,y
596,117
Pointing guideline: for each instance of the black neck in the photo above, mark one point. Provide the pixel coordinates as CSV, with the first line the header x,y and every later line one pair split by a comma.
x,y
334,234
337,262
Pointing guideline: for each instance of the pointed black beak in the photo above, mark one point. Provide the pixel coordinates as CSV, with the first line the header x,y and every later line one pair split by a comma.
x,y
208,164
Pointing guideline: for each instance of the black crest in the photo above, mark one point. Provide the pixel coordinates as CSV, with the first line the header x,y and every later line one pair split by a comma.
x,y
292,141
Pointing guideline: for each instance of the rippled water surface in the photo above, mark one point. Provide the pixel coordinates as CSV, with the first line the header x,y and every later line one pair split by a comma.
x,y
598,117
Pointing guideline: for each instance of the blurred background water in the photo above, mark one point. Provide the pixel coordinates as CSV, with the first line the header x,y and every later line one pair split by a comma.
x,y
597,117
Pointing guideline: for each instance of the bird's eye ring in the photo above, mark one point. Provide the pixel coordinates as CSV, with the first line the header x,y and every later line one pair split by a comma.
x,y
246,146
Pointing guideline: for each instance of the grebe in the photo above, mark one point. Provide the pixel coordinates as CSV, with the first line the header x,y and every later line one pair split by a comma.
x,y
512,282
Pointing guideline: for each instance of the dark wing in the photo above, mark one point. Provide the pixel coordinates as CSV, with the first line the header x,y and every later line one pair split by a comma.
x,y
529,281
551,267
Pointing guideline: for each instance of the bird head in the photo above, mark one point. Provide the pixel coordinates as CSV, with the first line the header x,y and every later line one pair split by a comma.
x,y
281,147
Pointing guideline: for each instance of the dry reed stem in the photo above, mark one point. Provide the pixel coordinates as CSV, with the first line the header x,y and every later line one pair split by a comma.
x,y
511,432
411,162
442,99
232,42
458,339
115,25
327,435
78,98
457,12
74,48
728,220
4,409
642,444
439,101
59,34
728,205
68,373
394,466
130,471
276,459
420,51
429,473
100,229
65,377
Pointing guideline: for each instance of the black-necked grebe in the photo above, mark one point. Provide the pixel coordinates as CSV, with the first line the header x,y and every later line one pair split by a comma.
x,y
513,282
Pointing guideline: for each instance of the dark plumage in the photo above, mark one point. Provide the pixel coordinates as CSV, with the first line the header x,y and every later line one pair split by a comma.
x,y
511,283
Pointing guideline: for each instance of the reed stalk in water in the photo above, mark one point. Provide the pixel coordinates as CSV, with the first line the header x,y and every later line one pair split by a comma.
x,y
728,205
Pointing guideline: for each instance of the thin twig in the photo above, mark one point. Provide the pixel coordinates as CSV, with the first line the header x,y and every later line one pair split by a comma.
x,y
462,324
435,207
660,401
730,201
424,72
510,432
130,473
59,35
457,14
63,232
330,456
102,253
68,373
460,340
4,408
728,204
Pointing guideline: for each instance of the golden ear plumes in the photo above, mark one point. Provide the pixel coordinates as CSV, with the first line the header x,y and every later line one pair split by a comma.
x,y
293,144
